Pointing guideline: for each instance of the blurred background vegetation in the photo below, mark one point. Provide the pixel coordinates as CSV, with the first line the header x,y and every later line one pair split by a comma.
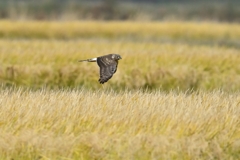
x,y
216,10
169,45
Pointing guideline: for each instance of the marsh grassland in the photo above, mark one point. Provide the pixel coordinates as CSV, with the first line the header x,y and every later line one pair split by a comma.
x,y
175,94
166,55
78,124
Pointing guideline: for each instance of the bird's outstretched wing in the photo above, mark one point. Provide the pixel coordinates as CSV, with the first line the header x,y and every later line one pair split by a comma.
x,y
108,67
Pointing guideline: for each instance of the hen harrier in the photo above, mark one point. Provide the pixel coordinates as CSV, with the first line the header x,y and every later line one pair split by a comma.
x,y
108,65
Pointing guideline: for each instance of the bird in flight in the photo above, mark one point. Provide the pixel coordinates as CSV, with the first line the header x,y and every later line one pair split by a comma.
x,y
108,65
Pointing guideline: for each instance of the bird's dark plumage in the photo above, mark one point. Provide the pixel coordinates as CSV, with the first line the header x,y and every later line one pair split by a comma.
x,y
108,66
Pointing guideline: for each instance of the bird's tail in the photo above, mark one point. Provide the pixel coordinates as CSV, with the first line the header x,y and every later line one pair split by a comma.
x,y
88,60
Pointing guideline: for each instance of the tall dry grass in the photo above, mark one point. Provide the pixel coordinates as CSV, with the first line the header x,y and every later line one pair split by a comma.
x,y
81,124
174,96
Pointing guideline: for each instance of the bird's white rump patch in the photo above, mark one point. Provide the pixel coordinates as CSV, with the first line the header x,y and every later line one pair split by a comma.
x,y
94,59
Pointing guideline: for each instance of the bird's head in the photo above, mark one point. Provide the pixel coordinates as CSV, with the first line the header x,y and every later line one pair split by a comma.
x,y
116,57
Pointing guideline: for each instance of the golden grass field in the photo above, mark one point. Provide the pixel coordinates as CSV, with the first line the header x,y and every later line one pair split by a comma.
x,y
80,124
175,94
183,55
